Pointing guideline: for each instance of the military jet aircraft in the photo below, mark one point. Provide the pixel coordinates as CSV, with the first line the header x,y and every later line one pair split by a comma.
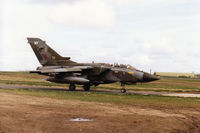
x,y
63,70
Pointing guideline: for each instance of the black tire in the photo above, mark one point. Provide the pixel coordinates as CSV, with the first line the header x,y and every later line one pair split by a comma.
x,y
86,87
72,87
123,90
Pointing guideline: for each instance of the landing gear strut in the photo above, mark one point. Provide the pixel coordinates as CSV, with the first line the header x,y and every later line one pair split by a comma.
x,y
86,87
72,87
123,90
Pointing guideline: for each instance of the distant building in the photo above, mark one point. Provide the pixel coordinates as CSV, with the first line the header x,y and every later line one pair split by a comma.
x,y
175,75
197,76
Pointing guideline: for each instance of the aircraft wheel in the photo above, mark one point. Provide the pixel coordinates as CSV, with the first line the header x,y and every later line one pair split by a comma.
x,y
72,87
123,90
86,87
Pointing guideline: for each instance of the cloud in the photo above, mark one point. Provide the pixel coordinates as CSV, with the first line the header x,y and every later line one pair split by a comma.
x,y
23,20
85,14
158,34
1,34
50,1
20,21
149,2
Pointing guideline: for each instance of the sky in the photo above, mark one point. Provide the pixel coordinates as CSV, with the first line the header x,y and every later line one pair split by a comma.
x,y
161,35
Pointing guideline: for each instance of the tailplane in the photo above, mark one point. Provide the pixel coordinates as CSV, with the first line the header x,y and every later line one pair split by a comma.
x,y
46,55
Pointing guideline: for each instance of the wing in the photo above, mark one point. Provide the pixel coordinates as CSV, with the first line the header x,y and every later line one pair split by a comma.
x,y
74,69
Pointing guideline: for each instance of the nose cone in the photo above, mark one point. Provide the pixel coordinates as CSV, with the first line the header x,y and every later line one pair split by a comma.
x,y
147,77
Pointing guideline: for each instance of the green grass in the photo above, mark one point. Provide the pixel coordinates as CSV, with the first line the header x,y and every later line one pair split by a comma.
x,y
163,85
115,86
167,85
13,72
121,99
32,83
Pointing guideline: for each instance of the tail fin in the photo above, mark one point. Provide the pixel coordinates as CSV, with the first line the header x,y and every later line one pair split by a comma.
x,y
46,55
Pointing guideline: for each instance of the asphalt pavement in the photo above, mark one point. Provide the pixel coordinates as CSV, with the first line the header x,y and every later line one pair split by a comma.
x,y
12,86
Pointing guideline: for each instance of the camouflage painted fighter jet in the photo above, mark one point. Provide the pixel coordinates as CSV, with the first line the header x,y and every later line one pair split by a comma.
x,y
63,70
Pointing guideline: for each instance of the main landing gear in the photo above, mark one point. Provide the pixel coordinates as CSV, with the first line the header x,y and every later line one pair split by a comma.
x,y
72,87
123,90
86,87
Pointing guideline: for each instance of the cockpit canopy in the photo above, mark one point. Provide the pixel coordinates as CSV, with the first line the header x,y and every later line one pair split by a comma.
x,y
131,67
119,65
125,66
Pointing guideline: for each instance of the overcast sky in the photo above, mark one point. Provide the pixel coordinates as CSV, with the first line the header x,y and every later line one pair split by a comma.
x,y
162,35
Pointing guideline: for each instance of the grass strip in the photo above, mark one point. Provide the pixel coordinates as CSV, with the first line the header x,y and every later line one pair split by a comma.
x,y
122,99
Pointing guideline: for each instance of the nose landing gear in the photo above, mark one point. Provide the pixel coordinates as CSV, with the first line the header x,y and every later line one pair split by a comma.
x,y
123,90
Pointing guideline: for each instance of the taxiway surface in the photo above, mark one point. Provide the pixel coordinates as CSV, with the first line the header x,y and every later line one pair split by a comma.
x,y
11,86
